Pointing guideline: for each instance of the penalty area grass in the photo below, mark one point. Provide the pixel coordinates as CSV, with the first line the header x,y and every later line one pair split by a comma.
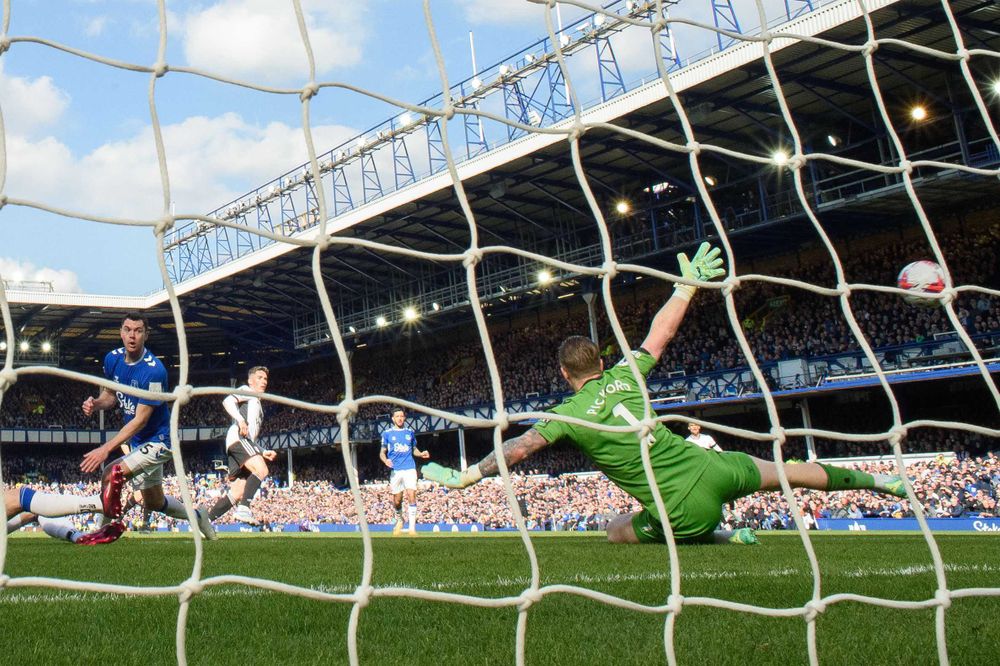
x,y
237,624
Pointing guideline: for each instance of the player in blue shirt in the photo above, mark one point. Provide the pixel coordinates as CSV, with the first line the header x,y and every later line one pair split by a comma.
x,y
146,429
399,446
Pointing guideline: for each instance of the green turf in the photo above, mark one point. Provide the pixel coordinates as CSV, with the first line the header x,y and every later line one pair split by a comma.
x,y
233,624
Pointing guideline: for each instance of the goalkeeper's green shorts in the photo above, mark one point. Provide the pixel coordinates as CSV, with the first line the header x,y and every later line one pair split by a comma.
x,y
729,475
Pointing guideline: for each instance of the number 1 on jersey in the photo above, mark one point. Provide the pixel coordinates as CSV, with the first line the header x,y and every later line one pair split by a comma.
x,y
622,412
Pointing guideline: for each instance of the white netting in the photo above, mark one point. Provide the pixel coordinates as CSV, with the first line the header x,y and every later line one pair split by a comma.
x,y
571,130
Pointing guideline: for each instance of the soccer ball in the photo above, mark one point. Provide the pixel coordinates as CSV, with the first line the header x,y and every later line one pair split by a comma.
x,y
921,277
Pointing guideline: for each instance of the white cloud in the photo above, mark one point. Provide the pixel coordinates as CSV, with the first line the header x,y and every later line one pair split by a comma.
x,y
95,26
30,104
63,281
478,12
259,40
210,161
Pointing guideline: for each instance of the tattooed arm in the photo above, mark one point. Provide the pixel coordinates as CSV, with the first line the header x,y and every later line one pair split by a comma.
x,y
514,451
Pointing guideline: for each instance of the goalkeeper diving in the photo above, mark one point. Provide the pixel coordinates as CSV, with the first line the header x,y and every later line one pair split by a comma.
x,y
693,482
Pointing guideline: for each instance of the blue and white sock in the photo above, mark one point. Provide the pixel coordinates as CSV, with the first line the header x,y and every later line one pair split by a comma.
x,y
59,528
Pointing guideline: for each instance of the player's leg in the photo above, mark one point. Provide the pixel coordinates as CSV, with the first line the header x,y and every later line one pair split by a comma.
x,y
818,476
236,455
144,465
227,500
243,512
694,519
48,504
59,528
257,468
247,470
20,520
411,503
153,497
12,502
620,529
396,487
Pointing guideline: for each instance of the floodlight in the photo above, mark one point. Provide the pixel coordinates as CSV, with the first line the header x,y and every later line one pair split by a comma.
x,y
3,345
24,346
410,314
477,83
918,113
599,20
833,140
996,87
381,322
564,40
504,70
435,307
780,157
710,181
405,119
622,207
544,276
352,329
46,347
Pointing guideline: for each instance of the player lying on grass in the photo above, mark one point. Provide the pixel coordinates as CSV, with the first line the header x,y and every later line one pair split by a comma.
x,y
25,506
61,528
693,482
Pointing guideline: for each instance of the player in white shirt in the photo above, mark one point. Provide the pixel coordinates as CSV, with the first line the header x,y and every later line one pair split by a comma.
x,y
705,441
247,466
399,446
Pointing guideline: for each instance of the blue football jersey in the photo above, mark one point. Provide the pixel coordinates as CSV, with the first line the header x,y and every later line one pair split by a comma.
x,y
149,374
398,444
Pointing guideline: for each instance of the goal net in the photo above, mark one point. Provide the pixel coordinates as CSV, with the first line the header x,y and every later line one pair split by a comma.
x,y
458,127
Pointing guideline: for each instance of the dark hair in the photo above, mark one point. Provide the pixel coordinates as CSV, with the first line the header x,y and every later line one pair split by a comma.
x,y
579,357
258,368
397,409
137,316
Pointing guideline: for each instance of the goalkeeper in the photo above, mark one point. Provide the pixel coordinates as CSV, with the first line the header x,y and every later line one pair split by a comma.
x,y
694,482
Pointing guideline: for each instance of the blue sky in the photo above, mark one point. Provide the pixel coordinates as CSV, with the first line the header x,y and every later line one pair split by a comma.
x,y
78,133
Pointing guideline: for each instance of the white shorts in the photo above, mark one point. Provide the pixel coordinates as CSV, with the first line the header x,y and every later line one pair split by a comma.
x,y
403,479
146,462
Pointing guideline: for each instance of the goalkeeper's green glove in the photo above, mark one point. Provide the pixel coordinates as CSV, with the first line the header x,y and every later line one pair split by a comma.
x,y
449,477
705,265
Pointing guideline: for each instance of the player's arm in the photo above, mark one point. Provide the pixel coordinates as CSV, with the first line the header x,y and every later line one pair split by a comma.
x,y
231,404
381,454
417,453
705,265
106,400
514,451
93,459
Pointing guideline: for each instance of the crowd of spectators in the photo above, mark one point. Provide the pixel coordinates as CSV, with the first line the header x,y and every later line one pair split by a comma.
x,y
779,323
586,501
557,490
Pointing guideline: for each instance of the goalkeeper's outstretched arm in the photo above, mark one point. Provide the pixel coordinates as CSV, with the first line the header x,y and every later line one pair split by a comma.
x,y
514,451
705,265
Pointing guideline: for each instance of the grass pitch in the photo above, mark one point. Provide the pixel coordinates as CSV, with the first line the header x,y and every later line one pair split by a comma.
x,y
234,624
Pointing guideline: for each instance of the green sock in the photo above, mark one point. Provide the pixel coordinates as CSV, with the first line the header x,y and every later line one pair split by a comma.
x,y
840,478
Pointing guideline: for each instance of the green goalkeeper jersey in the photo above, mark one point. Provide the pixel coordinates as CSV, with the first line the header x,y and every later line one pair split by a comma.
x,y
614,399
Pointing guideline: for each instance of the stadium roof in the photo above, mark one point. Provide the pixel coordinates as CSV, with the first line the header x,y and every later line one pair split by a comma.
x,y
525,194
